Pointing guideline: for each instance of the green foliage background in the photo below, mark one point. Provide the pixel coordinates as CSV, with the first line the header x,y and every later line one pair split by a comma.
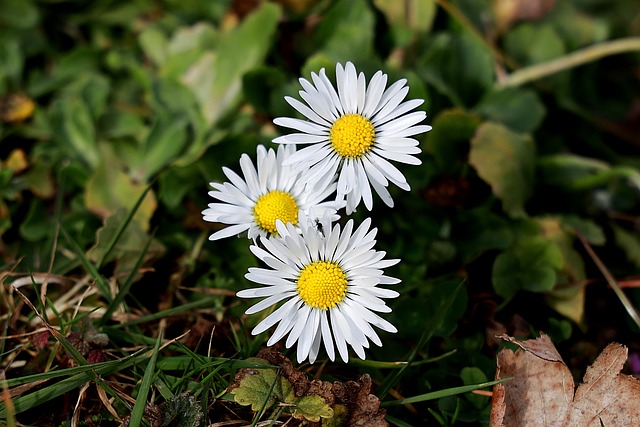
x,y
139,105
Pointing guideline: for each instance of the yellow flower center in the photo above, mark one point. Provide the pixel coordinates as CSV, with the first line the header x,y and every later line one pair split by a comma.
x,y
352,135
275,205
322,284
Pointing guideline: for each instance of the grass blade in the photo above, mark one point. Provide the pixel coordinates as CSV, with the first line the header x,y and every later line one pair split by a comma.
x,y
141,400
123,227
442,393
424,339
91,269
124,290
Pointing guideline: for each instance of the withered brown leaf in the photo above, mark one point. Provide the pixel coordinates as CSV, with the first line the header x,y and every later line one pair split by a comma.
x,y
541,392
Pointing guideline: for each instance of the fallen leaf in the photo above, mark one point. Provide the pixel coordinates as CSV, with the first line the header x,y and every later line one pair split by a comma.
x,y
541,392
351,402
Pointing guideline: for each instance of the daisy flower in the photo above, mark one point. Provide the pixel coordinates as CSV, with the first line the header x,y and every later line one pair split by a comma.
x,y
266,194
328,279
354,131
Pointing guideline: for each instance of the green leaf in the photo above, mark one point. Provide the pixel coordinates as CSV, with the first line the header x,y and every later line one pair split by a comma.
x,y
166,140
416,15
629,242
215,79
154,45
448,141
147,380
339,418
74,128
186,46
548,43
312,408
473,375
95,93
262,388
531,264
21,14
181,411
589,229
35,226
567,300
175,183
12,60
351,20
447,62
505,161
480,230
519,109
127,248
110,190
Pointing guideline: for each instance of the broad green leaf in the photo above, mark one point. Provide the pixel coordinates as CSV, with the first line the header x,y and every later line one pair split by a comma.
x,y
532,264
78,62
186,46
263,385
12,60
480,230
589,229
312,408
578,29
505,160
176,182
109,190
119,123
95,93
258,86
473,375
35,225
446,65
154,43
409,314
518,109
548,43
567,300
129,246
629,242
38,179
215,79
417,15
569,170
347,20
74,128
22,14
448,141
166,140
339,418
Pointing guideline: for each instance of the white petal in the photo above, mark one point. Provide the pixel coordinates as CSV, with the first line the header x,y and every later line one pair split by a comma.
x,y
232,230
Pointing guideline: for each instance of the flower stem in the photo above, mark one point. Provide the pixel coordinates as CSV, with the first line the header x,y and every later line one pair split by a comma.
x,y
574,59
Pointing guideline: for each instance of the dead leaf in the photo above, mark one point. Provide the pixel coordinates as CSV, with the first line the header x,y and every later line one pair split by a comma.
x,y
508,12
352,401
541,392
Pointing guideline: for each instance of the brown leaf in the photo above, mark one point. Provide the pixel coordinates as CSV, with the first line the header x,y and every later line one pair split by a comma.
x,y
508,12
541,392
362,407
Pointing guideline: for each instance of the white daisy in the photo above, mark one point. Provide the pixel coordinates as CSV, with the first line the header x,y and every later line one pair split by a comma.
x,y
354,132
329,281
272,192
